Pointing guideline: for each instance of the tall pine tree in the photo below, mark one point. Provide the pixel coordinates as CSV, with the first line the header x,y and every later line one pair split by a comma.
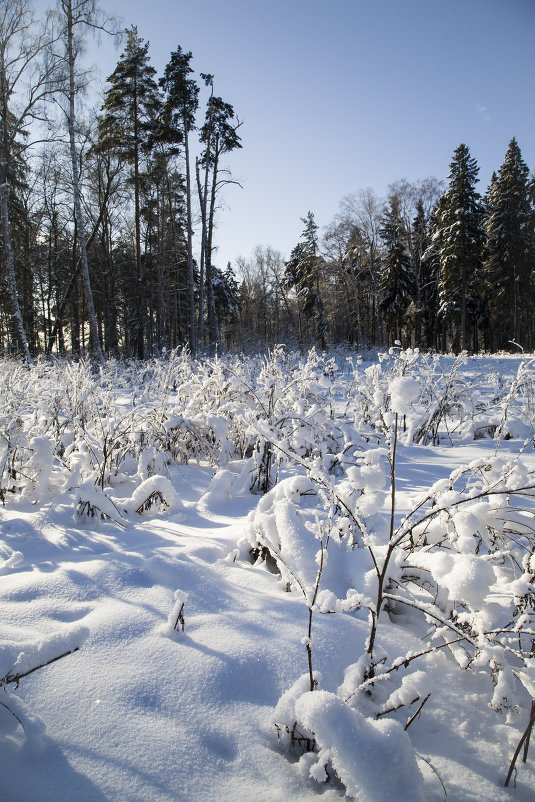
x,y
180,107
397,280
507,264
219,135
303,273
458,239
131,107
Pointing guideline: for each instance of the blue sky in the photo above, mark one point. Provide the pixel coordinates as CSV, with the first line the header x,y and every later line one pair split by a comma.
x,y
339,95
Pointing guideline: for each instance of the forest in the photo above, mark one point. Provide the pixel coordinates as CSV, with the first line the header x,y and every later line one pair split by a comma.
x,y
109,223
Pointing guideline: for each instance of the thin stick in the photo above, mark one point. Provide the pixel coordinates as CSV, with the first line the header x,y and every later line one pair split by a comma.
x,y
12,713
415,715
526,744
9,678
525,737
180,619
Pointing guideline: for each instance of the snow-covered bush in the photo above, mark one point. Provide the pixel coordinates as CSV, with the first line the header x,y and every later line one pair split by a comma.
x,y
156,491
451,566
459,566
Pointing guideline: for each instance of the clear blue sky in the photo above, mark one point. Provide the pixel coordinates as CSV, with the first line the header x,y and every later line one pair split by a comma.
x,y
339,95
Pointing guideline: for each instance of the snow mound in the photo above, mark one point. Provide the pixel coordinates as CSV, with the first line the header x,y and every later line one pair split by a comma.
x,y
465,577
154,490
374,759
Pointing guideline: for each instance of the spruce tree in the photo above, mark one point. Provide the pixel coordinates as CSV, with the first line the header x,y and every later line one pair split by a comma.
x,y
397,280
303,273
131,107
459,238
507,268
425,289
226,296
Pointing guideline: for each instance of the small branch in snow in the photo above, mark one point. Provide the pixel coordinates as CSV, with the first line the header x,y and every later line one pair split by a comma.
x,y
524,740
180,619
12,713
9,678
433,769
417,713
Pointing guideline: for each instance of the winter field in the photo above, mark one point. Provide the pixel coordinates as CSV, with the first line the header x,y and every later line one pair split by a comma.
x,y
280,578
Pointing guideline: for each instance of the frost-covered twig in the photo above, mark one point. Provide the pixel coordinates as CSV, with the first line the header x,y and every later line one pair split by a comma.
x,y
16,678
523,740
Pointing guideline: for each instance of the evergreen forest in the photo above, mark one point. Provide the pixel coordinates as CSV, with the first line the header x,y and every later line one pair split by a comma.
x,y
108,237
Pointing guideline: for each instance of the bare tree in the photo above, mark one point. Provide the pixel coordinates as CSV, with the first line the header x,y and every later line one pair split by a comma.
x,y
364,211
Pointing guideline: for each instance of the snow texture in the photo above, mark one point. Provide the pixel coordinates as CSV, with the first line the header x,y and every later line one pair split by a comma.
x,y
126,502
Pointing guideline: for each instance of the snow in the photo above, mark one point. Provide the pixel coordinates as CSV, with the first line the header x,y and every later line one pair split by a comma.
x,y
465,577
182,665
403,391
374,759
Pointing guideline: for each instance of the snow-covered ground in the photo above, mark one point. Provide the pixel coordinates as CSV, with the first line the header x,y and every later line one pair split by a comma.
x,y
188,652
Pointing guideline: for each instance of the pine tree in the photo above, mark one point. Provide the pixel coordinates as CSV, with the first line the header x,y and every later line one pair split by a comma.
x,y
425,289
459,238
131,107
397,281
303,273
507,264
162,209
180,107
219,134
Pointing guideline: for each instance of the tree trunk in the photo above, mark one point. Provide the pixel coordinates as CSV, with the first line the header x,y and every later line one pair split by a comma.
x,y
191,279
213,329
16,315
93,328
202,202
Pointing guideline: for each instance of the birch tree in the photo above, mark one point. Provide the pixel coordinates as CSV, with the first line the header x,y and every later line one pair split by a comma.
x,y
27,79
76,18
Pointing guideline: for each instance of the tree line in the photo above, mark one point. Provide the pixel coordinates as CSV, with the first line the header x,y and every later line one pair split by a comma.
x,y
108,223
432,266
98,212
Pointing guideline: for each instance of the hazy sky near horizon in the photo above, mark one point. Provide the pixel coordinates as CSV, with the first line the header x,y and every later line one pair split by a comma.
x,y
339,95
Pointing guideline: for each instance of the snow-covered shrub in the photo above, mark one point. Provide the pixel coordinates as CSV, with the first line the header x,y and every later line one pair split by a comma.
x,y
373,759
458,566
12,441
92,502
154,492
288,413
292,734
